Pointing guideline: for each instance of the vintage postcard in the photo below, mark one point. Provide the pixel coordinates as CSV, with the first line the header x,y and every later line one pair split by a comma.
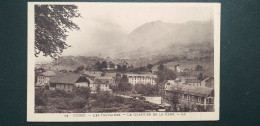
x,y
136,61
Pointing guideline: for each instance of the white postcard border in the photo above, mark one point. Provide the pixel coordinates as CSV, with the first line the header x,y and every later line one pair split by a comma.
x,y
124,116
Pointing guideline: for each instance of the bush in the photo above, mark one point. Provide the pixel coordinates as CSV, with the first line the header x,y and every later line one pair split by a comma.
x,y
40,99
105,98
119,99
137,110
82,92
78,102
143,104
110,110
61,93
62,105
146,89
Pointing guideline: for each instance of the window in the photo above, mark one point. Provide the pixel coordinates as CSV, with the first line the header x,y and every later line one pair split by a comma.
x,y
192,98
199,99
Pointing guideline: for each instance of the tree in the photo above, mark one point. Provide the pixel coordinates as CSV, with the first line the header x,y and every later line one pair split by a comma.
x,y
104,97
97,64
80,68
52,22
200,77
149,67
165,74
124,85
111,65
78,102
199,68
103,65
83,92
142,69
119,67
140,88
87,68
124,67
40,99
161,67
146,89
119,99
114,88
174,98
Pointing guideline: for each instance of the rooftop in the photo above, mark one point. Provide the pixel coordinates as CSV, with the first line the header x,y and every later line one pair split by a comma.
x,y
104,77
110,74
66,78
192,90
48,73
93,73
143,75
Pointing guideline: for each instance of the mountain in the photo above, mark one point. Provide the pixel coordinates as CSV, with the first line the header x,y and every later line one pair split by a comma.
x,y
157,37
149,43
72,62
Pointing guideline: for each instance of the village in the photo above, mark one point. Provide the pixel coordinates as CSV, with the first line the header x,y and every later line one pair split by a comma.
x,y
122,87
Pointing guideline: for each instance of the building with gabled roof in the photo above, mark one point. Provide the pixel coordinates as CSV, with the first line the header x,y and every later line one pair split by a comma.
x,y
43,78
192,96
142,78
103,83
67,81
208,82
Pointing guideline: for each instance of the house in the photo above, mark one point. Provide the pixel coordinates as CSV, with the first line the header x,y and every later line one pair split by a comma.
x,y
181,69
193,82
142,78
67,81
103,83
186,79
192,96
170,83
43,78
208,82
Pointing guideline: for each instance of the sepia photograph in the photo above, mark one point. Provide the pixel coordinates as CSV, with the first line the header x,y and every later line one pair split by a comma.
x,y
91,61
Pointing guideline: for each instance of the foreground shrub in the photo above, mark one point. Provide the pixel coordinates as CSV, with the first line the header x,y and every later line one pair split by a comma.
x,y
83,92
146,89
62,105
40,99
61,93
78,102
137,110
142,104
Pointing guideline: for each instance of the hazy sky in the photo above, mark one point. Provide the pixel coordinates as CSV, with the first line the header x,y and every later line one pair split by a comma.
x,y
109,23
